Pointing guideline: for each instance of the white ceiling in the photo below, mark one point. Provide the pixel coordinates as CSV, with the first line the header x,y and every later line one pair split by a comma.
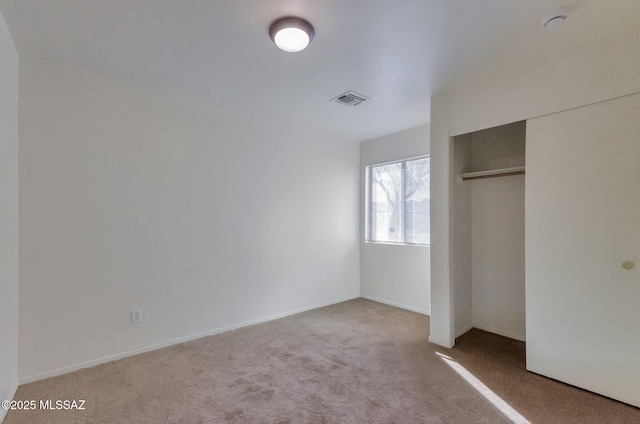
x,y
397,52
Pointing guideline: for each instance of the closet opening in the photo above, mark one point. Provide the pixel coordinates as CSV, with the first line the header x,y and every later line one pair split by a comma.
x,y
488,201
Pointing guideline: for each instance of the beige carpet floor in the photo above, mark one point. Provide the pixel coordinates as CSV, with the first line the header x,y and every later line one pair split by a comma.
x,y
354,362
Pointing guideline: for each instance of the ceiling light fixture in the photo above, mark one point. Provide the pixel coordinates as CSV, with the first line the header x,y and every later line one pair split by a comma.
x,y
291,34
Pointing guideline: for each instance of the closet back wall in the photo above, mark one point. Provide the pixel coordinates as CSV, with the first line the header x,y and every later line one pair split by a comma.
x,y
497,232
497,255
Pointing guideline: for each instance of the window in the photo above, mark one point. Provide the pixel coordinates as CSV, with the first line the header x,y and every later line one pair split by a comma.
x,y
398,202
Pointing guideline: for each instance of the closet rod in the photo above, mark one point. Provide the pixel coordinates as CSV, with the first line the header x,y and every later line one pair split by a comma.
x,y
519,170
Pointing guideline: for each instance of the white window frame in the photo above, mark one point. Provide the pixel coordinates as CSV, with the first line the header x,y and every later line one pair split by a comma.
x,y
368,196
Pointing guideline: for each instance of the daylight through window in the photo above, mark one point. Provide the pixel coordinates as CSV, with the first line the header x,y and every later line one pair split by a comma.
x,y
398,202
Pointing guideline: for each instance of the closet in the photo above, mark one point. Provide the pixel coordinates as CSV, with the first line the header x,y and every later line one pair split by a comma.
x,y
488,195
580,241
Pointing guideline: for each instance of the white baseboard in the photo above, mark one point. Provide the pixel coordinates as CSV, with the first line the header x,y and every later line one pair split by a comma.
x,y
440,342
508,334
460,331
7,393
397,305
109,358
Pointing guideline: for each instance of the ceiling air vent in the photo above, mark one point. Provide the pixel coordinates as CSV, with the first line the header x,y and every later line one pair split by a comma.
x,y
349,99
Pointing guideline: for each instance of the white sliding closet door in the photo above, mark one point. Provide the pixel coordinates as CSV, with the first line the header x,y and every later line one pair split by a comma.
x,y
582,223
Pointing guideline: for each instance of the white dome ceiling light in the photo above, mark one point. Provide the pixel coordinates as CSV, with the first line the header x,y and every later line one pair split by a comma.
x,y
291,34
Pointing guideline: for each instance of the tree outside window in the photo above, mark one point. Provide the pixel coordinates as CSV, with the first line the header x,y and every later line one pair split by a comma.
x,y
398,202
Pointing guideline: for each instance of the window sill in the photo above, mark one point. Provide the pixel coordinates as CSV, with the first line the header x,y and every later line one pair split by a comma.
x,y
390,243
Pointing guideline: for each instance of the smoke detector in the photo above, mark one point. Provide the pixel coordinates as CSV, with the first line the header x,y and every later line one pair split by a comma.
x,y
350,99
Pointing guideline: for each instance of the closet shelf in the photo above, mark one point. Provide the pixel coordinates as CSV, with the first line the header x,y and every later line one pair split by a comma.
x,y
518,170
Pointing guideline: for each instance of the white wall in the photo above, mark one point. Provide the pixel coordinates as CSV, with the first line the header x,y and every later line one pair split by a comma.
x,y
397,275
497,255
205,219
599,69
8,216
461,234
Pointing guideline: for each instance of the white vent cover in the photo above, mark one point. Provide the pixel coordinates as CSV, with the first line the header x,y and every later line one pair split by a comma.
x,y
349,99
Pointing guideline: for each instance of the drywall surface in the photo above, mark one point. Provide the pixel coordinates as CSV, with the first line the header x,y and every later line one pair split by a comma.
x,y
497,255
497,148
603,68
205,219
461,234
393,274
8,216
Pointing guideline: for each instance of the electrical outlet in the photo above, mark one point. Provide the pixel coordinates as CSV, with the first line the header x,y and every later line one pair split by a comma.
x,y
323,281
136,316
